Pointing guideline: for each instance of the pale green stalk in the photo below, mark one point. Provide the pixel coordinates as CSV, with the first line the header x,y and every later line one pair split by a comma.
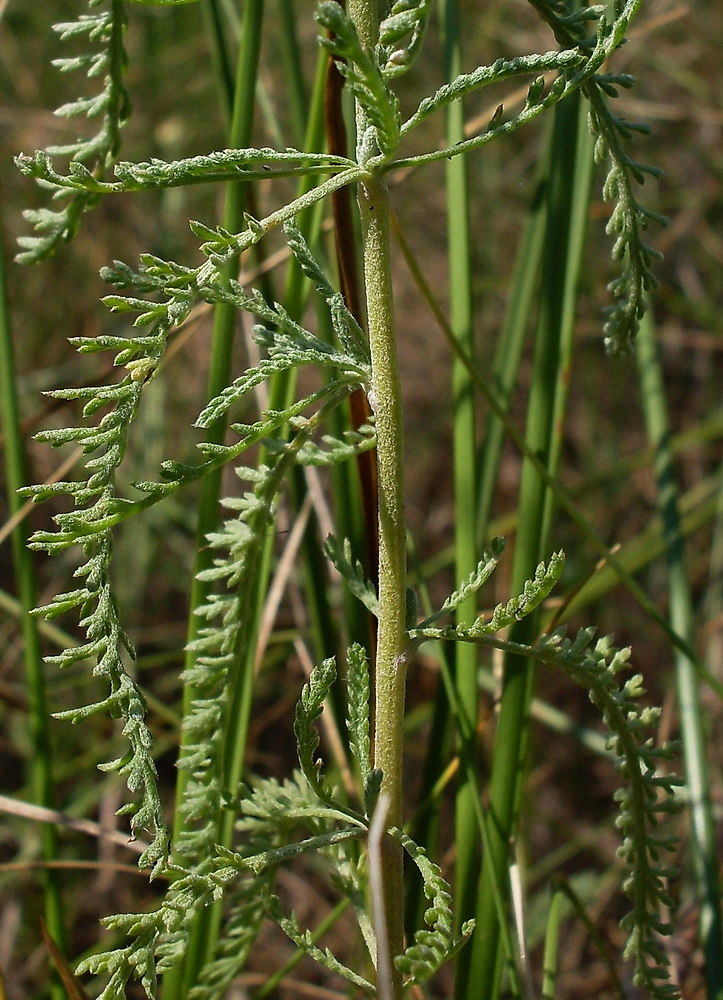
x,y
386,402
692,721
40,764
391,637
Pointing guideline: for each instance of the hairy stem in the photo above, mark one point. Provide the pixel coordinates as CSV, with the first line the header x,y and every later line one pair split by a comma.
x,y
391,641
386,403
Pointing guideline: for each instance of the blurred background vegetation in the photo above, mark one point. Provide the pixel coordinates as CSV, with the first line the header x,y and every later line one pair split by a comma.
x,y
674,50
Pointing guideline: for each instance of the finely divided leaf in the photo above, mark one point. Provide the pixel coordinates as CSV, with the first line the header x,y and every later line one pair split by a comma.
x,y
308,709
353,572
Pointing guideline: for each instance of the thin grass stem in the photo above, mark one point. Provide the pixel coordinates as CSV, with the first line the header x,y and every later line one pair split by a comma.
x,y
544,424
552,936
508,352
464,451
224,331
40,764
692,722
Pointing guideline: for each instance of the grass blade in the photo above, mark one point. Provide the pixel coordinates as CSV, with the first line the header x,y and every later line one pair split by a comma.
x,y
692,724
41,771
551,361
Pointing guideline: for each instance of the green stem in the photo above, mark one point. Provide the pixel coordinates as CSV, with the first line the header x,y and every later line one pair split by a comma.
x,y
464,452
40,766
544,421
692,722
386,403
508,351
219,376
552,934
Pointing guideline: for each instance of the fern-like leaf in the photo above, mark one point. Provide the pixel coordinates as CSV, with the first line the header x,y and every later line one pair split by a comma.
x,y
433,947
646,797
353,572
364,79
533,594
334,450
246,912
358,724
484,76
477,578
225,637
305,941
106,28
308,709
628,221
401,35
351,337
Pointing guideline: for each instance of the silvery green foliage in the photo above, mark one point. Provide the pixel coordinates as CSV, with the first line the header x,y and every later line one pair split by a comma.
x,y
157,940
484,76
308,709
363,76
646,797
104,28
308,801
353,572
334,449
107,644
214,167
471,585
569,25
396,51
282,821
224,639
245,912
579,62
434,947
629,219
305,941
359,698
533,594
99,508
648,792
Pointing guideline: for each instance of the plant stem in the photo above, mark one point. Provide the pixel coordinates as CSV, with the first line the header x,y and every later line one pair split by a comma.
x,y
464,446
219,376
391,639
386,403
544,423
682,616
40,762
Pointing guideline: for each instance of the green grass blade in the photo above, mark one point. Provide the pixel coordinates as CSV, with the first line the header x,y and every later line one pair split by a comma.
x,y
692,722
508,351
240,133
552,936
298,98
551,359
464,451
222,64
40,766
